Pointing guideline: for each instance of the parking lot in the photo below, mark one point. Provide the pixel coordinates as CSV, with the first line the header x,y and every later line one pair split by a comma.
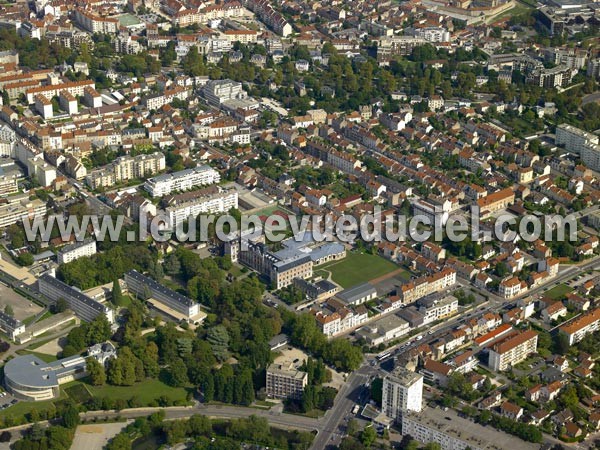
x,y
21,307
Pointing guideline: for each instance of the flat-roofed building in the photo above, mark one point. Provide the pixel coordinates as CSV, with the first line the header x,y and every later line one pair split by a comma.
x,y
181,181
512,350
29,378
454,432
285,381
84,307
146,287
402,392
358,294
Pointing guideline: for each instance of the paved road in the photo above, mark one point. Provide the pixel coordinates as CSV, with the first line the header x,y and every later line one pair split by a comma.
x,y
217,411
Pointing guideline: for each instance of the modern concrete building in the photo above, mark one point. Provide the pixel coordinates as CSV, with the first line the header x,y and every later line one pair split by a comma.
x,y
219,202
402,392
83,306
182,180
285,381
454,432
76,250
146,288
29,378
512,350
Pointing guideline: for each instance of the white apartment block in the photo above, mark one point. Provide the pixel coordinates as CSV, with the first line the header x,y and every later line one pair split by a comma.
x,y
573,138
590,156
96,24
76,250
436,309
182,180
423,286
402,392
155,102
20,210
75,88
211,204
219,91
577,329
126,168
512,350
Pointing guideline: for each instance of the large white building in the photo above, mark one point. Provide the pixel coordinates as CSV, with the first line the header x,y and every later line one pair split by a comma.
x,y
147,288
20,209
573,138
220,91
86,308
126,168
577,329
76,250
454,432
284,381
402,392
512,350
182,180
219,202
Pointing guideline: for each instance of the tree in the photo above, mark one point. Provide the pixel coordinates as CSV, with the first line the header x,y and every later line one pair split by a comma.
x,y
176,373
70,417
120,442
25,259
61,305
368,436
218,338
96,371
8,310
117,295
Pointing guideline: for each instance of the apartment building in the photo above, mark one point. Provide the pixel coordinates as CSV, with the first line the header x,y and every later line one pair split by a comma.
x,y
75,88
577,329
511,287
270,16
126,168
492,203
573,138
19,209
284,381
402,392
512,350
146,288
84,307
219,202
11,326
242,36
155,102
95,24
423,286
76,250
455,432
437,307
217,92
181,181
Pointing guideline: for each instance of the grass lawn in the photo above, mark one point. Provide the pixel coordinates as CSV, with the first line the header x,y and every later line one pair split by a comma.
x,y
558,292
21,409
358,268
79,393
146,391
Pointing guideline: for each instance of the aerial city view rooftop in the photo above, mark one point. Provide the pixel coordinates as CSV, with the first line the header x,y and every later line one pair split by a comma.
x,y
299,224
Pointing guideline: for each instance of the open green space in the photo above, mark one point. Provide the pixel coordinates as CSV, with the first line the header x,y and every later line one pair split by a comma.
x,y
358,268
78,393
558,292
145,391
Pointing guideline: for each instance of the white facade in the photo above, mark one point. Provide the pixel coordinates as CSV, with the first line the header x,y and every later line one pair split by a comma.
x,y
182,181
74,251
402,391
212,204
